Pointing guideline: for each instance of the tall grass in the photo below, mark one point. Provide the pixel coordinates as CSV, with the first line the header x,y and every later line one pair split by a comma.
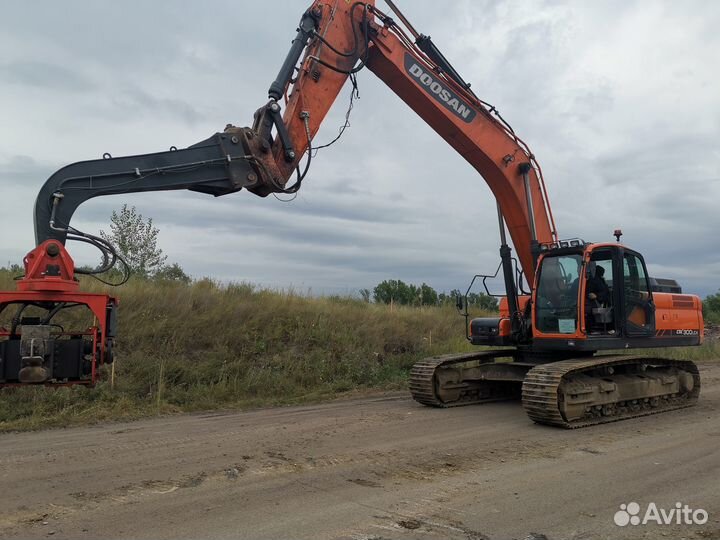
x,y
205,345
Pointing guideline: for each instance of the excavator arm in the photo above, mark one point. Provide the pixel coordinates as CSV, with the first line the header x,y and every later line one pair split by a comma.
x,y
335,40
261,158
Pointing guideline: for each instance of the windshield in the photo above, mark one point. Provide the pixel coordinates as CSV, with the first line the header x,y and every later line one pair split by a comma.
x,y
557,294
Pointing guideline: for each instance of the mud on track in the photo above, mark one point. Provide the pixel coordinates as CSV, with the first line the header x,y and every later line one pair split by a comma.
x,y
379,467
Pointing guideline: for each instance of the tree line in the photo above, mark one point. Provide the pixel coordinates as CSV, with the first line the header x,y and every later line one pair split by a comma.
x,y
396,291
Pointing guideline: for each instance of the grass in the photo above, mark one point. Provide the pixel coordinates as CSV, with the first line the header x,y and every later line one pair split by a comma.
x,y
709,350
207,346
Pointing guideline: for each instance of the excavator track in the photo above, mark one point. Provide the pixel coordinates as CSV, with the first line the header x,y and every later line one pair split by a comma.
x,y
426,389
550,390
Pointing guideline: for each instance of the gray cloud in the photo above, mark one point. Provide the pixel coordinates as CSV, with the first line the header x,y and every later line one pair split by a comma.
x,y
133,97
615,99
43,75
663,161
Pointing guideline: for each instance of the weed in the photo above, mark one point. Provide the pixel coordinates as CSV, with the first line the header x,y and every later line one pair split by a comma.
x,y
207,346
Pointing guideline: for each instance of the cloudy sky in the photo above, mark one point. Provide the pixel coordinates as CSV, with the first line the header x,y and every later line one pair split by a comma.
x,y
619,100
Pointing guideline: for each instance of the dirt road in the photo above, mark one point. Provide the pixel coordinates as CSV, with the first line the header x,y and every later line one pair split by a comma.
x,y
380,467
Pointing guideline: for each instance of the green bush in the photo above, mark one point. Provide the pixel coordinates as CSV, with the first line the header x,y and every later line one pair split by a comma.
x,y
711,308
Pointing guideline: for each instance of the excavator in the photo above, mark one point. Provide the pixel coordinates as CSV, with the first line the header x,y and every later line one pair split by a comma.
x,y
554,345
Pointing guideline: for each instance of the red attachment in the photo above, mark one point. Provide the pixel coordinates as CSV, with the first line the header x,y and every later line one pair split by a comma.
x,y
50,280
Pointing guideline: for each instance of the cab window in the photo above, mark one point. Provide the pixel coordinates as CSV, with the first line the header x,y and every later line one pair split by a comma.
x,y
639,310
557,295
634,274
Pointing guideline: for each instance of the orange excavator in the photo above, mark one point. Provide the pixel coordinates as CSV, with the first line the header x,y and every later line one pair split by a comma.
x,y
583,298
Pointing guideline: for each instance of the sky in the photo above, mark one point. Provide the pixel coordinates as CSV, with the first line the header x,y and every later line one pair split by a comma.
x,y
619,101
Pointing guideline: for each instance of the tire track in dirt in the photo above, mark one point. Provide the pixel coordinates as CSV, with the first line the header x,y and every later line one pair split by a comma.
x,y
381,468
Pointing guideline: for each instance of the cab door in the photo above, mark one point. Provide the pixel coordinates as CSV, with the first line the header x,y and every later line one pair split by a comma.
x,y
602,268
636,297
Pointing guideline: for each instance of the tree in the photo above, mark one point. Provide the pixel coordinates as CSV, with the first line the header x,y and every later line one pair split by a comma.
x,y
172,272
15,268
478,300
483,301
399,292
428,296
449,298
711,308
136,239
392,290
365,295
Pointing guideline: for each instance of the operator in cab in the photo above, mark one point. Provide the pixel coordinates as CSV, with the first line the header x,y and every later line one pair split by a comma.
x,y
597,287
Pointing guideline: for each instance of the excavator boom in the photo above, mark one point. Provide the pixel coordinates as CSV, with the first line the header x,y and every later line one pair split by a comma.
x,y
423,79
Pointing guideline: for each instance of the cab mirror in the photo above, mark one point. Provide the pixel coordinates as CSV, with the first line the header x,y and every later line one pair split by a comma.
x,y
459,302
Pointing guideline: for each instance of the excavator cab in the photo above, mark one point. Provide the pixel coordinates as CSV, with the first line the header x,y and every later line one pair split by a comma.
x,y
592,297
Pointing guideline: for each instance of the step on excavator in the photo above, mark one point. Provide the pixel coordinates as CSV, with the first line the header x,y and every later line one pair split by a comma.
x,y
551,345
